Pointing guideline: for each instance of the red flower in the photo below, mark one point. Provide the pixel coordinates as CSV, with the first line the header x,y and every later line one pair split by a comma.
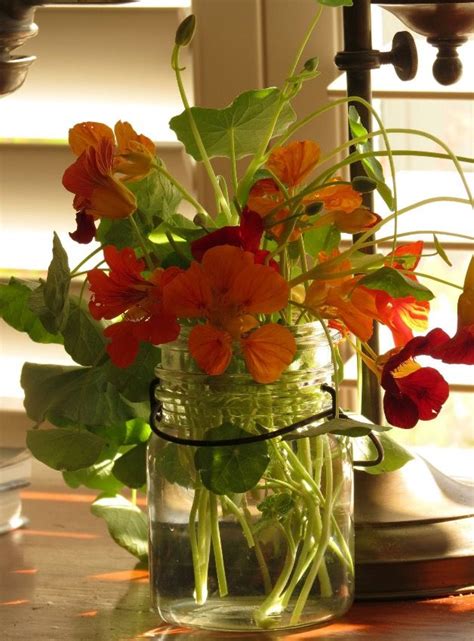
x,y
85,231
124,291
246,236
459,349
412,392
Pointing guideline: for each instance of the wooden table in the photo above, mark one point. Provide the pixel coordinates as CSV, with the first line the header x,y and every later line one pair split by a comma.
x,y
62,579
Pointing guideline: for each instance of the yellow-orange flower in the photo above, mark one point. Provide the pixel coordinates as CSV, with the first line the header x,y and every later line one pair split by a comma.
x,y
337,197
88,134
135,152
292,163
340,298
91,178
350,223
105,160
228,289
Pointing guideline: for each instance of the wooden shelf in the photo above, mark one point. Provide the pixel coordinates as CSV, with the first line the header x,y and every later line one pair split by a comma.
x,y
64,579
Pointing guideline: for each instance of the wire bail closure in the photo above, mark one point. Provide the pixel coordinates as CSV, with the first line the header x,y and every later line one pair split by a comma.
x,y
156,413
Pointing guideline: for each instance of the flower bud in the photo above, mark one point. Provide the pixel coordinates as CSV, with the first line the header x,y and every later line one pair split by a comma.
x,y
311,64
314,208
185,31
363,184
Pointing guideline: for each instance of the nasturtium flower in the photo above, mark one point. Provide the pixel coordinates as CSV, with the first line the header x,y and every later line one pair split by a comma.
x,y
341,299
353,222
227,290
85,228
294,162
338,197
401,315
460,348
247,236
135,154
412,392
405,314
125,292
92,179
264,196
290,164
88,134
97,177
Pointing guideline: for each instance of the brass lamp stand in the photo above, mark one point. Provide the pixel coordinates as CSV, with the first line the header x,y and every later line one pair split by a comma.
x,y
415,526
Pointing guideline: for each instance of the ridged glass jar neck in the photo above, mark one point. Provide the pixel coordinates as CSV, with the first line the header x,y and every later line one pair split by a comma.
x,y
194,402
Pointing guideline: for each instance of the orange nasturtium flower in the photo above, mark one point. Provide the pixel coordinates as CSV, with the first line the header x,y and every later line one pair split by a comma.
x,y
228,290
125,292
338,197
291,164
96,177
340,299
294,162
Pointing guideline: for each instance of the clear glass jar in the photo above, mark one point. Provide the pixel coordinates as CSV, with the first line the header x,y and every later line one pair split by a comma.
x,y
278,555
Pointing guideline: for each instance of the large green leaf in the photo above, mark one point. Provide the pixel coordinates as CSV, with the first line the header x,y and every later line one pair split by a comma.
x,y
65,449
118,232
130,468
396,284
241,125
395,455
15,310
132,382
171,464
126,523
75,396
83,336
226,469
98,476
156,196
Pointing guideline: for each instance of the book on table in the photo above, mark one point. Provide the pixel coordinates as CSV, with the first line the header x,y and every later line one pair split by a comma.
x,y
15,474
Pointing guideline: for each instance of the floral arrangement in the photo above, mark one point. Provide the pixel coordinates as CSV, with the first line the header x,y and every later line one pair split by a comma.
x,y
276,252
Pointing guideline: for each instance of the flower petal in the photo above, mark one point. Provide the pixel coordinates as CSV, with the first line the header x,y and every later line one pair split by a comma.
x,y
427,389
259,289
459,349
293,162
337,197
88,134
400,412
268,351
211,348
222,236
124,344
223,264
85,228
189,294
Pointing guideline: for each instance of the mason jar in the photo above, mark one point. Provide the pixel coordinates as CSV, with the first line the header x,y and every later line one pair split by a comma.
x,y
249,535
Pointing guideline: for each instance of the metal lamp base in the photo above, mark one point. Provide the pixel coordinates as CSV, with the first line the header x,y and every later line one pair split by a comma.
x,y
414,533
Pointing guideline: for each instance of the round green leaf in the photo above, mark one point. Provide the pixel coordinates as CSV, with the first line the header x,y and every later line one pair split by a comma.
x,y
65,449
225,469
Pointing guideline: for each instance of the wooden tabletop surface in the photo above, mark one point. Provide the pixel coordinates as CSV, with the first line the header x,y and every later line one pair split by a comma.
x,y
63,579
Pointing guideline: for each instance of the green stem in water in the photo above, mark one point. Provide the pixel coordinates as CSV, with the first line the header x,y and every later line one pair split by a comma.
x,y
324,539
200,582
217,546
